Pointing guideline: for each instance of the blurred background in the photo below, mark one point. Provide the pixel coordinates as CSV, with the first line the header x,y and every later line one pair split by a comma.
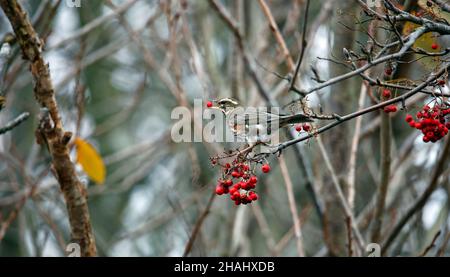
x,y
120,67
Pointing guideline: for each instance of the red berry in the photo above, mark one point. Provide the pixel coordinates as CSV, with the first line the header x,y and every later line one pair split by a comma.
x,y
244,186
409,118
432,122
253,180
388,71
441,83
298,127
253,196
228,183
232,191
220,190
209,104
386,93
390,109
434,46
265,168
306,127
235,174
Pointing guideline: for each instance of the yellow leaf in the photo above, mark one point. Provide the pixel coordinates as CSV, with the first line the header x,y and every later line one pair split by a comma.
x,y
434,10
424,42
90,161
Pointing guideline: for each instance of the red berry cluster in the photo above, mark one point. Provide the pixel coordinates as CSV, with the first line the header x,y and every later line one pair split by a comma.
x,y
239,182
431,121
390,109
305,127
387,94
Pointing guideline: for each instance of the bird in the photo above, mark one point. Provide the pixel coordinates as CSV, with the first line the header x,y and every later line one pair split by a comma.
x,y
255,124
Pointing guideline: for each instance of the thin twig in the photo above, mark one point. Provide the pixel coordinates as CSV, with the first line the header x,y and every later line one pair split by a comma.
x,y
443,247
304,44
292,206
385,172
198,225
342,199
349,236
354,149
419,203
14,123
233,26
264,226
432,244
370,109
278,36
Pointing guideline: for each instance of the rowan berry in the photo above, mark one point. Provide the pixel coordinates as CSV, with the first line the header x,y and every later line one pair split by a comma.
x,y
220,190
390,109
306,127
431,121
253,196
409,118
235,174
265,168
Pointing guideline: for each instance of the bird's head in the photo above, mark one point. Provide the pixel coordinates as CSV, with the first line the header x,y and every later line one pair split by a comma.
x,y
225,104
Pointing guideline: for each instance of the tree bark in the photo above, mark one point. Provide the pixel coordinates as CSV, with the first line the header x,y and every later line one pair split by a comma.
x,y
338,141
53,134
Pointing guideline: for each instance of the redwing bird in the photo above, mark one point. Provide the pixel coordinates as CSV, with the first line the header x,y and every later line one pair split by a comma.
x,y
251,122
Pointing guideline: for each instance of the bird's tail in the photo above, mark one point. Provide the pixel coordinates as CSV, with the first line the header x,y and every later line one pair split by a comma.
x,y
293,119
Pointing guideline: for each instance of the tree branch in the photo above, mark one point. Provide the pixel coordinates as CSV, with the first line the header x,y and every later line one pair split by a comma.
x,y
14,123
53,135
418,205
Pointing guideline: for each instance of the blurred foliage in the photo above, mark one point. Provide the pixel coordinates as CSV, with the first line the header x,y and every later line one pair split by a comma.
x,y
155,189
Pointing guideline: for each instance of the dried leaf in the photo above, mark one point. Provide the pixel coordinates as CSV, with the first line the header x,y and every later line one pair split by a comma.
x,y
90,161
424,42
